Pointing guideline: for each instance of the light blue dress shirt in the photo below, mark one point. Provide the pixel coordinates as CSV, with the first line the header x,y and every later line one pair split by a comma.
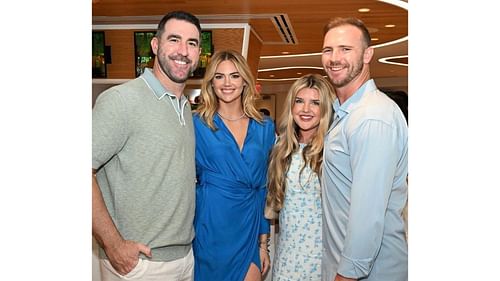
x,y
365,189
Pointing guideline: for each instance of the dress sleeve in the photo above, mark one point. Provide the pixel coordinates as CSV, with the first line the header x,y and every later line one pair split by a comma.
x,y
264,223
271,133
270,138
373,156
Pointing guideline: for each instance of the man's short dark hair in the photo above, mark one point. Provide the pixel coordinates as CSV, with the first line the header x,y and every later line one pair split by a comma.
x,y
179,15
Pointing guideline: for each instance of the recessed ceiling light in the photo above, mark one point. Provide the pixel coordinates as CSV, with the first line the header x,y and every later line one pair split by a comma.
x,y
390,25
299,73
363,10
285,53
271,75
375,39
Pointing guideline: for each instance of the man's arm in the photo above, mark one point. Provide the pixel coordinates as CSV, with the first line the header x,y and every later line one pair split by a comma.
x,y
123,254
373,156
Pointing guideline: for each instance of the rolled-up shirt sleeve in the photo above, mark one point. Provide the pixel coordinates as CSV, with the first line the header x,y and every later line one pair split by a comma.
x,y
373,159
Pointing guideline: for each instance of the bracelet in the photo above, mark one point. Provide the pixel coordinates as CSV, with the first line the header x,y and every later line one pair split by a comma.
x,y
265,249
266,243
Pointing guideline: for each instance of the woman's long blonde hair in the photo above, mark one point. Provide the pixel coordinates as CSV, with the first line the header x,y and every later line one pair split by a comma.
x,y
209,102
288,138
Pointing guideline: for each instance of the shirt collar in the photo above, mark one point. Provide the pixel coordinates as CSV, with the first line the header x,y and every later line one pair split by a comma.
x,y
158,90
350,103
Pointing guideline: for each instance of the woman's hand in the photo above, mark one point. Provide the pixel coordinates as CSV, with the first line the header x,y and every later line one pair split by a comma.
x,y
265,260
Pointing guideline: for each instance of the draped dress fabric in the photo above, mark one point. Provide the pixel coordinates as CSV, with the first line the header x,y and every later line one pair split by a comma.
x,y
230,198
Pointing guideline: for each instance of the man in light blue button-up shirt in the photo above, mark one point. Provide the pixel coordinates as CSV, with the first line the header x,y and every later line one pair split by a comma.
x,y
365,166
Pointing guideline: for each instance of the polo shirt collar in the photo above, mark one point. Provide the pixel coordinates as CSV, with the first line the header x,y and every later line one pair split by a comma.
x,y
351,102
158,90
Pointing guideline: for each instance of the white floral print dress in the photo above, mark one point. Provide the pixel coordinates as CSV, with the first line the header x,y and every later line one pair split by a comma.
x,y
298,252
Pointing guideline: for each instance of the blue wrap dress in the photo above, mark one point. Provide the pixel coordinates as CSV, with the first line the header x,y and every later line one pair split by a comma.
x,y
230,199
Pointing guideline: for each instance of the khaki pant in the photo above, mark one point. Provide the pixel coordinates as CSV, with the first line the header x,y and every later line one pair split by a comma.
x,y
177,270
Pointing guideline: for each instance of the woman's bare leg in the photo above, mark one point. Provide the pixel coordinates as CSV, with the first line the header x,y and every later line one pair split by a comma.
x,y
253,273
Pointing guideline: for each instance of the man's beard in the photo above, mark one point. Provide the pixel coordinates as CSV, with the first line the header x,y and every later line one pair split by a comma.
x,y
353,73
163,62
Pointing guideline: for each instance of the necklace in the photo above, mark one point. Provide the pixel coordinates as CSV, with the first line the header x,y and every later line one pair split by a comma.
x,y
231,119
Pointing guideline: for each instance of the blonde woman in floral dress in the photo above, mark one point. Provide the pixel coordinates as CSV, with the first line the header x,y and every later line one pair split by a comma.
x,y
293,178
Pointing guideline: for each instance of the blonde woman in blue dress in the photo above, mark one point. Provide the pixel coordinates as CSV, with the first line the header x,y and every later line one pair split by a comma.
x,y
293,178
233,143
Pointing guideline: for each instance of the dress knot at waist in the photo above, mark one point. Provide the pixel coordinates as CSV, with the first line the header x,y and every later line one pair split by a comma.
x,y
208,178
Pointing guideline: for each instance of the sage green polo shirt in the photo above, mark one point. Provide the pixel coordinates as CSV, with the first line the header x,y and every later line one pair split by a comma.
x,y
143,148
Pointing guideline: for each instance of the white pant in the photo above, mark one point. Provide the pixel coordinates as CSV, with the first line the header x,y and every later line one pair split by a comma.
x,y
176,270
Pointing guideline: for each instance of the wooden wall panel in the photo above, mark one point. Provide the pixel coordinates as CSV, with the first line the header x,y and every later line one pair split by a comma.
x,y
230,38
122,53
253,56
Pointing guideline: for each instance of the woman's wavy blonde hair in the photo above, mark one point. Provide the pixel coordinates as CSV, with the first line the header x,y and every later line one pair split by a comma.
x,y
209,102
288,138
